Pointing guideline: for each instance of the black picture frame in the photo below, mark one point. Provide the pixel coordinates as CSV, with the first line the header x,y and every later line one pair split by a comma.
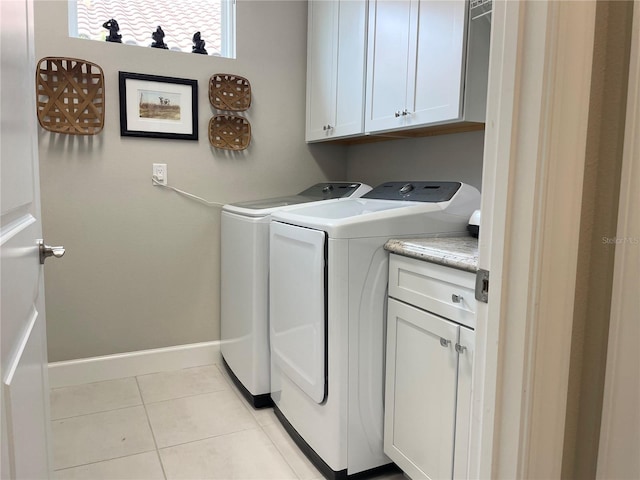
x,y
158,107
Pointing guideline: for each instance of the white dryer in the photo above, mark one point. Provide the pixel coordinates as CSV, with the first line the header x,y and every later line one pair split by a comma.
x,y
244,282
328,283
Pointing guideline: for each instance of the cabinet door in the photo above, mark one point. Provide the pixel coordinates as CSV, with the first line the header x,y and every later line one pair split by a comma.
x,y
436,66
463,408
321,67
335,68
350,83
420,392
387,63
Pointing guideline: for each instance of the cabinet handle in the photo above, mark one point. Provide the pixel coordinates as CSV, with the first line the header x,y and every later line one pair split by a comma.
x,y
456,298
444,342
329,127
460,349
398,114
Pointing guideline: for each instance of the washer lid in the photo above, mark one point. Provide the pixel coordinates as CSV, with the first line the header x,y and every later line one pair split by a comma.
x,y
444,208
316,193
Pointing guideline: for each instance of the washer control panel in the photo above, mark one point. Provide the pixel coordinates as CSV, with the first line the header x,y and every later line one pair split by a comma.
x,y
415,191
331,190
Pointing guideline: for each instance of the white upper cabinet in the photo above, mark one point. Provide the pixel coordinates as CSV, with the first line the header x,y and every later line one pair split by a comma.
x,y
336,55
436,68
387,64
426,66
416,63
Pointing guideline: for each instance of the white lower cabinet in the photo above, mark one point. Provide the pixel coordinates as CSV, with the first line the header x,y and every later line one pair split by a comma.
x,y
429,366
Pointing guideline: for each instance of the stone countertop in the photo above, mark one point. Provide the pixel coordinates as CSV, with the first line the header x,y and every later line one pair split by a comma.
x,y
456,252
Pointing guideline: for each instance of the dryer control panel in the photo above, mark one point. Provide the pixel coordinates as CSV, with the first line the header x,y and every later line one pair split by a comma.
x,y
415,191
331,190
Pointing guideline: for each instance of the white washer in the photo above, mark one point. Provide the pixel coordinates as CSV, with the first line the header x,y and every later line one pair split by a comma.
x,y
328,282
244,282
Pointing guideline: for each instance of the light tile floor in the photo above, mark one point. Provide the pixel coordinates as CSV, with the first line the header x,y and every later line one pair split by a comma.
x,y
182,424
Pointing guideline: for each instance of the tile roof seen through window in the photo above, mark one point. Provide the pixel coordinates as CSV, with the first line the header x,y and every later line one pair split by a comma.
x,y
138,19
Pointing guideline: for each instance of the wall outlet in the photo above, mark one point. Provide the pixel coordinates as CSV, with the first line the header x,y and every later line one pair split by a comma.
x,y
160,173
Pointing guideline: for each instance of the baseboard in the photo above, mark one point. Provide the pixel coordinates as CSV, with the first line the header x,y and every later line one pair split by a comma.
x,y
142,362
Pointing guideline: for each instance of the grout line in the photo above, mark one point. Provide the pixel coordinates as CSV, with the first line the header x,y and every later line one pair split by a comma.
x,y
153,435
237,393
253,411
229,387
210,437
174,371
91,383
184,396
98,412
289,442
101,461
279,450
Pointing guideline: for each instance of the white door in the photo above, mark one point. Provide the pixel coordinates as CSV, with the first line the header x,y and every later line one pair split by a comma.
x,y
297,308
23,354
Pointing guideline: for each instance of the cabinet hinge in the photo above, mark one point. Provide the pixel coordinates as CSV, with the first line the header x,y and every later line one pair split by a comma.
x,y
482,285
460,348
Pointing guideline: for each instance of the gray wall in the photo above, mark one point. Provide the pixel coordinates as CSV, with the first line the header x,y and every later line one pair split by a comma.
x,y
455,157
142,263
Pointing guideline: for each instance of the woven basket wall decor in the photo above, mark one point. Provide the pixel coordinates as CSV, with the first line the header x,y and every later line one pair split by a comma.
x,y
229,92
70,96
229,132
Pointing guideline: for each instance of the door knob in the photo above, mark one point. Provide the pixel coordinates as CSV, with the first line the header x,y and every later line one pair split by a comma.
x,y
46,251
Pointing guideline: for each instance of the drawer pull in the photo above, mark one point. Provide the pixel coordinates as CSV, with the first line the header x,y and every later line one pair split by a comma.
x,y
444,342
456,298
460,349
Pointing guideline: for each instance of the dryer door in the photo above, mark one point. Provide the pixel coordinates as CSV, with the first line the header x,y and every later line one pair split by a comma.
x,y
297,309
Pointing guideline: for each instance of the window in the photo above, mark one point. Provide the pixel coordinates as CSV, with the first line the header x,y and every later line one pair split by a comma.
x,y
179,19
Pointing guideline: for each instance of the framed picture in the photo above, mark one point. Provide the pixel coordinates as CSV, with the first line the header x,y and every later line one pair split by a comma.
x,y
158,107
